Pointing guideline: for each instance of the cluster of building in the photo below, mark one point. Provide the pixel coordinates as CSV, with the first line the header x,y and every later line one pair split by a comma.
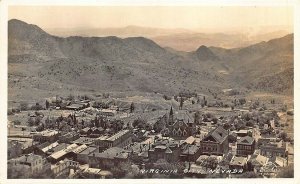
x,y
175,137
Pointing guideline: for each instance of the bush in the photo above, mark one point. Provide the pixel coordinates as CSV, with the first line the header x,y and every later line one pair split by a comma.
x,y
24,106
167,97
37,107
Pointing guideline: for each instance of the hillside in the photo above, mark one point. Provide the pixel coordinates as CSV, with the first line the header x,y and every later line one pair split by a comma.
x,y
42,65
252,65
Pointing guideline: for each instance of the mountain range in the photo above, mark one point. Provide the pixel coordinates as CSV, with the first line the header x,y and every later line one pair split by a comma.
x,y
40,64
181,39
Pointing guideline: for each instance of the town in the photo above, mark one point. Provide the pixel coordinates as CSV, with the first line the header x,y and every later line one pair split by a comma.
x,y
187,135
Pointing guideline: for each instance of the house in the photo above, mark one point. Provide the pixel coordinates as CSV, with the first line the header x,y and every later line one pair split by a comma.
x,y
190,140
32,163
232,137
27,144
245,146
257,162
263,141
242,133
63,167
112,157
68,137
164,149
14,149
86,131
85,104
269,170
238,163
208,162
107,112
215,142
63,153
46,136
75,107
281,162
139,152
84,140
180,125
93,173
190,153
274,149
45,149
83,156
96,173
96,132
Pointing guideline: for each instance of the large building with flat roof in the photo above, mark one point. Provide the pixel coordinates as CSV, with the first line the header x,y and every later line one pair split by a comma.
x,y
120,139
46,136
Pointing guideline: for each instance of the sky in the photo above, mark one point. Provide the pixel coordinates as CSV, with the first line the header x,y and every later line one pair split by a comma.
x,y
193,18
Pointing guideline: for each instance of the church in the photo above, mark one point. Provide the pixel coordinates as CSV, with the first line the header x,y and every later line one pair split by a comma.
x,y
179,125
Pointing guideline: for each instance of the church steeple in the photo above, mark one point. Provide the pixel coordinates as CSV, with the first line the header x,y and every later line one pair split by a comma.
x,y
171,116
171,111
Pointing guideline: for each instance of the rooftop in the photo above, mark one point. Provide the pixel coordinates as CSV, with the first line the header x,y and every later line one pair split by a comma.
x,y
241,161
88,150
246,140
111,153
48,133
50,146
190,140
190,149
259,160
84,140
219,134
103,137
80,148
28,158
92,170
64,151
74,106
118,135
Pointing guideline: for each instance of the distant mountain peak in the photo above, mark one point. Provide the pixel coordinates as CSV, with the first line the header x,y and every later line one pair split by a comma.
x,y
204,53
22,28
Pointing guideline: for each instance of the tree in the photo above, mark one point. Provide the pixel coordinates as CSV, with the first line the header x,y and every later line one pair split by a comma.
x,y
37,121
242,101
139,123
197,117
30,121
181,103
166,97
131,107
47,104
283,136
97,123
37,107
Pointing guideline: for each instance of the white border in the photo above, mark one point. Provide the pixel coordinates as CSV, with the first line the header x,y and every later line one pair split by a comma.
x,y
3,80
